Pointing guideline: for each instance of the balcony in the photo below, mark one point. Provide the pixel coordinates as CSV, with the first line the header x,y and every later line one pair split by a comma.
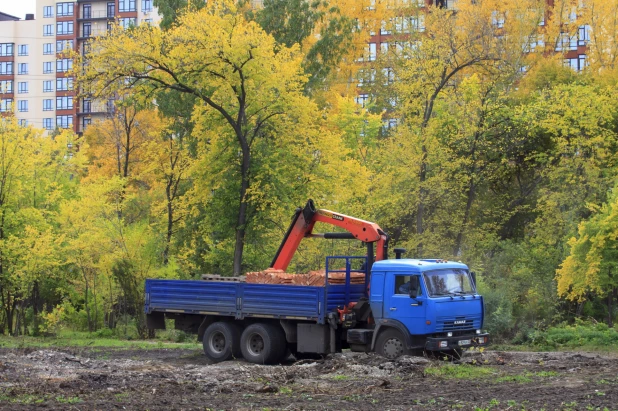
x,y
97,15
89,108
88,32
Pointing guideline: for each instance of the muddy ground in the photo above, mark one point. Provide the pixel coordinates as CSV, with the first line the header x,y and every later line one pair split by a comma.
x,y
87,379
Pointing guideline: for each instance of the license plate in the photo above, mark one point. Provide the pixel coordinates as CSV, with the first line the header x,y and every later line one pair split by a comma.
x,y
464,342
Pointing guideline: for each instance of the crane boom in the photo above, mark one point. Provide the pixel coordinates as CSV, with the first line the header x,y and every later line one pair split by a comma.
x,y
302,226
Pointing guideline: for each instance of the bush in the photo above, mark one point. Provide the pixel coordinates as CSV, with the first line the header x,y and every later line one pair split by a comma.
x,y
577,335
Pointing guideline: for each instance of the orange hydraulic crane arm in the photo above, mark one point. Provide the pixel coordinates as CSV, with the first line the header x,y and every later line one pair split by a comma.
x,y
302,226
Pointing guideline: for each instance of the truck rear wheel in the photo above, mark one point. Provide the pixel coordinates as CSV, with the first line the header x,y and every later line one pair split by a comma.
x,y
391,344
263,344
222,341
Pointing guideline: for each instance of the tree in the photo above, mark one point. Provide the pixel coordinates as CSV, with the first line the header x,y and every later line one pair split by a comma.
x,y
228,63
472,39
34,178
592,264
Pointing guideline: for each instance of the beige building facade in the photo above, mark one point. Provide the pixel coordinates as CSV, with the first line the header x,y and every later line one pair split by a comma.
x,y
34,81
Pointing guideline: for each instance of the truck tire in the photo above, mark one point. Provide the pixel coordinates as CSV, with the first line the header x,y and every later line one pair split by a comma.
x,y
222,341
391,344
263,344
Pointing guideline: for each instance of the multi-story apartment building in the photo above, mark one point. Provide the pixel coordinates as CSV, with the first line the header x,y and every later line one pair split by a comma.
x,y
34,68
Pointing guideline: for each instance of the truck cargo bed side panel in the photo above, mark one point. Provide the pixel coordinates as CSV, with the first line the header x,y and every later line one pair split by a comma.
x,y
283,301
336,295
191,296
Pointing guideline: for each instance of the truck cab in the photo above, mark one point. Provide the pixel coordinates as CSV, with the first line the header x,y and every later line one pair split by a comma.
x,y
427,305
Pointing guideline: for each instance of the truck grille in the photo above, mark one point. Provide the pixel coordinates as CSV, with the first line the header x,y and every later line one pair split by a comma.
x,y
458,323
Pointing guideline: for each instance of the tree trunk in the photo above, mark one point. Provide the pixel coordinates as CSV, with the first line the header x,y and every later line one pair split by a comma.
x,y
94,296
170,219
242,212
86,302
35,308
464,223
610,309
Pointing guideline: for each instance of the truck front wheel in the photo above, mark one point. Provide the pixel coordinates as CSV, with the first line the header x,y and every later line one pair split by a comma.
x,y
263,344
222,341
391,344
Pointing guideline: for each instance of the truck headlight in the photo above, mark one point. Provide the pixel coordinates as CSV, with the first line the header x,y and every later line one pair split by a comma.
x,y
481,340
443,344
478,331
449,334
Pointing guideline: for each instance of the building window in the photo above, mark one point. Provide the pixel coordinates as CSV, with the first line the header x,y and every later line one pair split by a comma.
x,y
48,104
385,28
47,67
583,35
148,21
6,67
389,75
86,122
64,84
87,105
22,105
62,45
497,19
111,9
47,123
48,30
47,86
64,103
86,30
146,5
64,27
126,5
6,105
566,42
64,65
6,86
22,87
22,50
87,11
64,121
48,11
362,99
22,68
127,22
22,122
578,63
64,9
48,48
6,49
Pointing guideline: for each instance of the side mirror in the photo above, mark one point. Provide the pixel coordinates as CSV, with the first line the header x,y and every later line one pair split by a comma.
x,y
414,286
473,274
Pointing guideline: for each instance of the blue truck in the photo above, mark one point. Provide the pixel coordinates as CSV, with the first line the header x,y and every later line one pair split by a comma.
x,y
404,306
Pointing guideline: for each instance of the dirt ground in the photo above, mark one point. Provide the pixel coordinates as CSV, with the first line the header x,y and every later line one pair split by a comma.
x,y
88,379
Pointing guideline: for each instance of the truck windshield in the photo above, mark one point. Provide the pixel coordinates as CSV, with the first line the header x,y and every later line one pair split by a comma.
x,y
450,281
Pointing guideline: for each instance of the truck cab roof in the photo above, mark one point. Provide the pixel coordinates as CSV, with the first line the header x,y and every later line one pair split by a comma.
x,y
410,265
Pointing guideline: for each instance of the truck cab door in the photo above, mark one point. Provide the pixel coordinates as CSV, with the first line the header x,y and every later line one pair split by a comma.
x,y
398,305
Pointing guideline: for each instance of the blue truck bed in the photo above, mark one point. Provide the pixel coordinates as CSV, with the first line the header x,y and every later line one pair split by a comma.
x,y
242,300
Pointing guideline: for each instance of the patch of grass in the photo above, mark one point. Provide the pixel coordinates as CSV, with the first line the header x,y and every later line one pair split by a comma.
x,y
519,379
462,371
527,377
340,377
68,400
85,339
285,390
122,396
21,398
